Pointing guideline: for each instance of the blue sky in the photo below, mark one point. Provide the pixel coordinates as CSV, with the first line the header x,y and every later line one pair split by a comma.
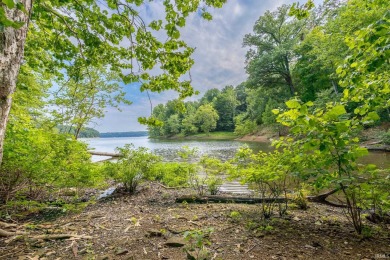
x,y
219,57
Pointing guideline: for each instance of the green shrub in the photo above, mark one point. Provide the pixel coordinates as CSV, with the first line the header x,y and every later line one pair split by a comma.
x,y
300,198
38,161
172,174
133,167
385,137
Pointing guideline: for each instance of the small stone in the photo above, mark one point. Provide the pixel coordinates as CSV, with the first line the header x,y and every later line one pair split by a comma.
x,y
310,247
296,219
120,251
175,242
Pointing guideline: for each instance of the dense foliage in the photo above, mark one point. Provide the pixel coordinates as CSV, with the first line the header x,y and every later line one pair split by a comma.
x,y
295,57
215,111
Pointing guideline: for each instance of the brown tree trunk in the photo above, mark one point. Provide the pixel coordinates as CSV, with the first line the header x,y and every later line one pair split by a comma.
x,y
12,42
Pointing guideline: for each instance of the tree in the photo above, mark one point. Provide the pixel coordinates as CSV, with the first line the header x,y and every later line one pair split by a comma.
x,y
324,48
188,123
65,36
269,61
210,96
225,104
206,118
78,101
173,124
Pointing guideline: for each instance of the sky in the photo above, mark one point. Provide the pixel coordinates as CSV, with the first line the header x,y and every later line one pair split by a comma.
x,y
219,58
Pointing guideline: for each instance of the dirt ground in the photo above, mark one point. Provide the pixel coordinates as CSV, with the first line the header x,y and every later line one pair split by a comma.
x,y
139,226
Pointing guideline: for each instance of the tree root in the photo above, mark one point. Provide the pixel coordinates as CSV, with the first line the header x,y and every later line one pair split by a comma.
x,y
16,237
4,233
59,236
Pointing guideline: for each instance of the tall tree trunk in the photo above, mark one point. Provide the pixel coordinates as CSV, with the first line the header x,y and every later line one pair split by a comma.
x,y
290,84
288,77
11,53
335,87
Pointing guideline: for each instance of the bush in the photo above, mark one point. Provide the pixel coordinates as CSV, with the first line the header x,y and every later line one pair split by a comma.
x,y
385,137
39,161
172,174
133,167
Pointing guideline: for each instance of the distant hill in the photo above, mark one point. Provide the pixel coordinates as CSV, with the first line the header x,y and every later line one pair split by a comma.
x,y
86,132
124,134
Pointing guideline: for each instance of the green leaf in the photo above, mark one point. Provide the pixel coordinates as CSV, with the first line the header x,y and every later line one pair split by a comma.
x,y
373,116
293,104
9,3
337,111
275,111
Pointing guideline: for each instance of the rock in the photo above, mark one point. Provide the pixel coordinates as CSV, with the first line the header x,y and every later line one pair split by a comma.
x,y
310,247
121,251
175,242
296,219
105,257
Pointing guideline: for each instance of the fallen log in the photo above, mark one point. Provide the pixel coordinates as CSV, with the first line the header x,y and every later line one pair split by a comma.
x,y
384,148
321,199
105,154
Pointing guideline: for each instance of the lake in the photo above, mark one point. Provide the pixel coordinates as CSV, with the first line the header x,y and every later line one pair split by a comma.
x,y
220,149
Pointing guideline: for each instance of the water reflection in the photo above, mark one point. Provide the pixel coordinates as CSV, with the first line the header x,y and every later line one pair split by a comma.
x,y
168,149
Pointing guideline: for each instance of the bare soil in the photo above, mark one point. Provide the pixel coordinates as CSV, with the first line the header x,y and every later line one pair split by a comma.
x,y
138,226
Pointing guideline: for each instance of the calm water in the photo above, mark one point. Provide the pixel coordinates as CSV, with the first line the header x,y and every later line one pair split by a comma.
x,y
221,149
168,148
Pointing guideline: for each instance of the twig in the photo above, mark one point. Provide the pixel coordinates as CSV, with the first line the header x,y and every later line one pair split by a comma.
x,y
250,249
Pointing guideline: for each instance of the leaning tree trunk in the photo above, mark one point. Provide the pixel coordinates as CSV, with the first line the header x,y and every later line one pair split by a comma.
x,y
12,42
